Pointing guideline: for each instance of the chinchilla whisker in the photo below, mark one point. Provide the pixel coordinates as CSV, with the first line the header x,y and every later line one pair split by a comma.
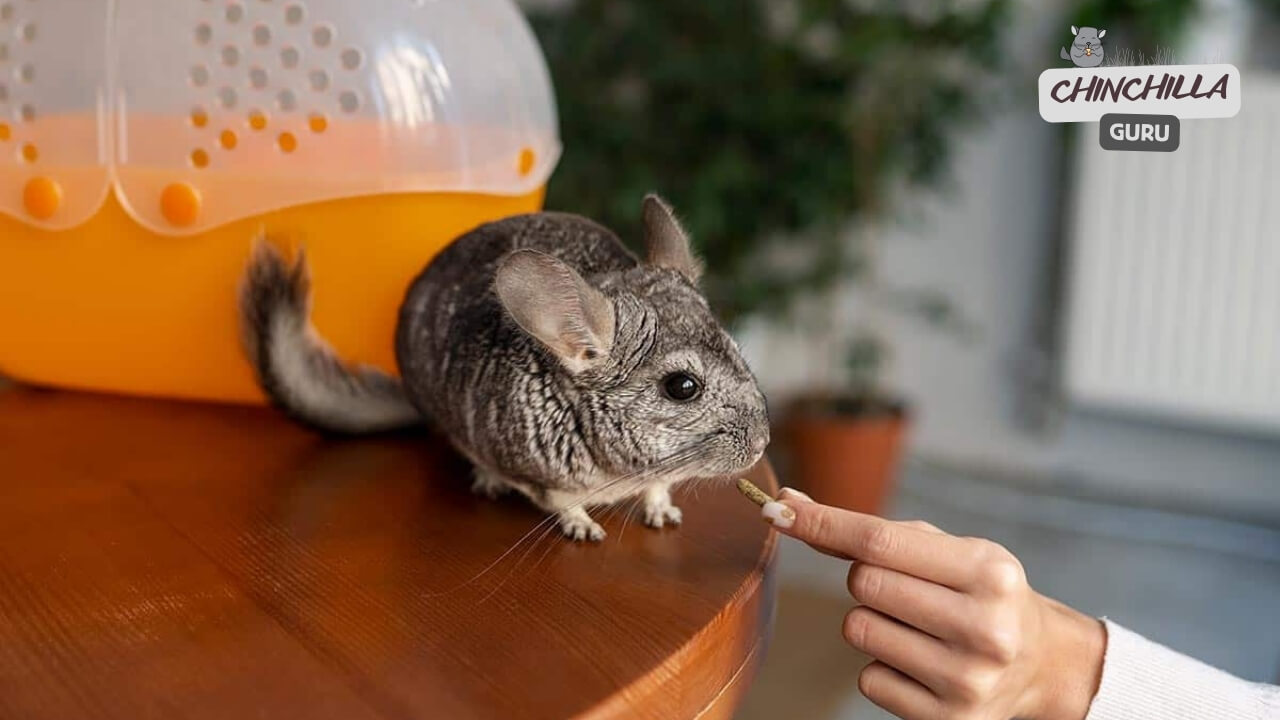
x,y
547,529
488,568
631,509
667,464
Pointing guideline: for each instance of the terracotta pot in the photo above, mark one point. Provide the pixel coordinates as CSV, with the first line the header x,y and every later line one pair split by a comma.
x,y
846,460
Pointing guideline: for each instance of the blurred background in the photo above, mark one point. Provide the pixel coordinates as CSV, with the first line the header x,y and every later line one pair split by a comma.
x,y
960,312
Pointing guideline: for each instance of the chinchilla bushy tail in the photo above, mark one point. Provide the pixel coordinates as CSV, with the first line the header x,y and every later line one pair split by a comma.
x,y
1063,54
298,372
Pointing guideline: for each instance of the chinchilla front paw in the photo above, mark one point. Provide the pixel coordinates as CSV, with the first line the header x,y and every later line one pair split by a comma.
x,y
659,512
489,485
577,525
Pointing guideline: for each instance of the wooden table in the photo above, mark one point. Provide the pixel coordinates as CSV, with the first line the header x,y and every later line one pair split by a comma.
x,y
172,560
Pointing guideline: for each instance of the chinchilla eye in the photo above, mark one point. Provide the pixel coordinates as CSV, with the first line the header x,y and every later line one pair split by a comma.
x,y
681,387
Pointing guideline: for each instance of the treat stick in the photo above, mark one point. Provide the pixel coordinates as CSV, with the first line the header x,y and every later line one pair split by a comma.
x,y
753,493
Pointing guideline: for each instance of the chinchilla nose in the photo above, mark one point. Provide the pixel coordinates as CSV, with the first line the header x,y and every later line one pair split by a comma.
x,y
759,439
760,443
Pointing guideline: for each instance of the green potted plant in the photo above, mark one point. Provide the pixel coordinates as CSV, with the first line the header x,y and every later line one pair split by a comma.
x,y
773,127
845,444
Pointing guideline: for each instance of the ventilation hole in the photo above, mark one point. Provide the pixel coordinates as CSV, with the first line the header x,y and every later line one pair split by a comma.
x,y
199,117
204,34
234,13
30,153
199,76
294,14
348,101
322,36
287,142
4,93
289,57
27,73
258,78
5,132
257,120
29,32
4,52
351,58
230,56
228,140
319,80
199,158
261,35
6,12
286,100
527,160
318,123
227,97
28,113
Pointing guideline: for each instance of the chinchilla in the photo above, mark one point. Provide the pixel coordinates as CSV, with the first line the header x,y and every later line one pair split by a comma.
x,y
1086,47
560,364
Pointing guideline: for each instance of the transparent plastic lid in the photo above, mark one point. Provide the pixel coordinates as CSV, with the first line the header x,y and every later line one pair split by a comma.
x,y
201,112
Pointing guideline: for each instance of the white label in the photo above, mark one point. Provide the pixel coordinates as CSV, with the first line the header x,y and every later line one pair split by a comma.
x,y
1184,91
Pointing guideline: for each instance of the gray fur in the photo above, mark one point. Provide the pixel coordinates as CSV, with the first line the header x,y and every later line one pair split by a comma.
x,y
539,344
296,369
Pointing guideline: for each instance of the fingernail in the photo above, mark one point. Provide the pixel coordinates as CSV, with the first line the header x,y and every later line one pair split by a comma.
x,y
778,514
791,492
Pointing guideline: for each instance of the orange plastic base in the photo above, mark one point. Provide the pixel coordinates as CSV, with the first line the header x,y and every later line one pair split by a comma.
x,y
110,306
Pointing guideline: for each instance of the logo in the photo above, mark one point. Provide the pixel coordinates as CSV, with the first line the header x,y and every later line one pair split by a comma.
x,y
1086,49
1138,107
1184,91
1149,133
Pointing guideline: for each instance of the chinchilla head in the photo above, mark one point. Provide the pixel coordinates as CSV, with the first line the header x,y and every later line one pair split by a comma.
x,y
656,384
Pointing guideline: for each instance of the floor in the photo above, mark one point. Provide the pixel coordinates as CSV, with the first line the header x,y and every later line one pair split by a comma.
x,y
1206,587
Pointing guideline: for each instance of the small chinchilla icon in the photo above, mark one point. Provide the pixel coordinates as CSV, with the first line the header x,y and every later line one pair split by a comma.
x,y
1086,48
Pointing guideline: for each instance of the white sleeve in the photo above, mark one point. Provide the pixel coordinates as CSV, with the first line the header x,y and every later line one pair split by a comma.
x,y
1143,680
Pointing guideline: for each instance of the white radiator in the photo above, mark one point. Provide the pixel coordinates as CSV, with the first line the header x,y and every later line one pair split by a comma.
x,y
1174,286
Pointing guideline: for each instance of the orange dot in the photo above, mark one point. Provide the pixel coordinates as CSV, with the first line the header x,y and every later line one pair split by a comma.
x,y
288,142
318,123
257,120
199,158
30,153
228,140
527,159
42,197
5,132
180,204
199,118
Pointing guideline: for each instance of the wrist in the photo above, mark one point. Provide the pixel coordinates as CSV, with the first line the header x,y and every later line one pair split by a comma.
x,y
1070,666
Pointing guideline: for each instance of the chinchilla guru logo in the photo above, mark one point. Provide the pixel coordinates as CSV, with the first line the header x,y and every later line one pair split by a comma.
x,y
1183,91
1138,88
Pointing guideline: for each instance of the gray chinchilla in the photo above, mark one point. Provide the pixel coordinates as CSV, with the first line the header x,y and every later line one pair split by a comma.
x,y
1086,48
556,361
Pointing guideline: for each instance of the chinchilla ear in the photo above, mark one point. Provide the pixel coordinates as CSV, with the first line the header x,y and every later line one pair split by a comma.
x,y
666,241
1074,31
1102,34
551,302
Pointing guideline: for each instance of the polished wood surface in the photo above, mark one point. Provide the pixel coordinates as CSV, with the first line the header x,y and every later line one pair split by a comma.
x,y
170,560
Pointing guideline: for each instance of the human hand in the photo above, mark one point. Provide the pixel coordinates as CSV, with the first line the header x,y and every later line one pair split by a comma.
x,y
955,630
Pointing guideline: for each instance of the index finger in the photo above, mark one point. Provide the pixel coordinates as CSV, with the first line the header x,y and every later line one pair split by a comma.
x,y
941,558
